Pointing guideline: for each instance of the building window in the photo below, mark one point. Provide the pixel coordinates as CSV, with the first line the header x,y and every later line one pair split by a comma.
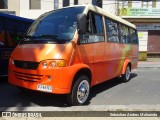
x,y
97,3
75,2
65,3
35,4
3,4
56,4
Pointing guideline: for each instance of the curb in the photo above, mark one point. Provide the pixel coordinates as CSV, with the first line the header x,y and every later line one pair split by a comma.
x,y
88,108
148,64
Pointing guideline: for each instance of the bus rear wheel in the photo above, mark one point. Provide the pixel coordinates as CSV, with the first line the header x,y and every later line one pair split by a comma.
x,y
126,76
80,91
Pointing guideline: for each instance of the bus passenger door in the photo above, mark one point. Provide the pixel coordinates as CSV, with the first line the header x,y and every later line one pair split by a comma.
x,y
91,54
83,53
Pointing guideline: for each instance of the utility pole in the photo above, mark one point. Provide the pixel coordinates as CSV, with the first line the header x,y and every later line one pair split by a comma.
x,y
117,9
99,3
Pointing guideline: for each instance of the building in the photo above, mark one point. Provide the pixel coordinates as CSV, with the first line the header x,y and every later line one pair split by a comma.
x,y
145,14
34,8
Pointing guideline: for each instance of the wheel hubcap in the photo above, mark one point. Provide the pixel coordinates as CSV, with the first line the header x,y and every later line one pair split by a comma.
x,y
83,91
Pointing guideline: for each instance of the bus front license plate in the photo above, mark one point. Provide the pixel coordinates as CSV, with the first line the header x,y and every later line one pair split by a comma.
x,y
45,88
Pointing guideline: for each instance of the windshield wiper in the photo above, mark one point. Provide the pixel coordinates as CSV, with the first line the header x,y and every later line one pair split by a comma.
x,y
46,36
34,38
43,39
28,38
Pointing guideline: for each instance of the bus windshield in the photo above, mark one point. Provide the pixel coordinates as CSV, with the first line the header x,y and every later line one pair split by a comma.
x,y
57,26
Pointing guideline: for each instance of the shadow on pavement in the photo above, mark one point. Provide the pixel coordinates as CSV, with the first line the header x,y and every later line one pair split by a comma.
x,y
3,79
107,85
14,97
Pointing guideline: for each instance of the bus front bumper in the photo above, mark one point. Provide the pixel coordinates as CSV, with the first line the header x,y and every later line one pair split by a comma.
x,y
57,81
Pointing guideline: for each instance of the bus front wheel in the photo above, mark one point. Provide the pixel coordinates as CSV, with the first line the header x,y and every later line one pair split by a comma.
x,y
80,91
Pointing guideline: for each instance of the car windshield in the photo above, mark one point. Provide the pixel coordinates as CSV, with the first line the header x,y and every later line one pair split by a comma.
x,y
58,26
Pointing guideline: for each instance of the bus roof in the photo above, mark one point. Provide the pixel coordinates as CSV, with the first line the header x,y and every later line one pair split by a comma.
x,y
107,14
15,17
103,12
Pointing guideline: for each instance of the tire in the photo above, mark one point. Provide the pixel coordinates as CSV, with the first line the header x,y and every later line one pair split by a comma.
x,y
126,76
80,91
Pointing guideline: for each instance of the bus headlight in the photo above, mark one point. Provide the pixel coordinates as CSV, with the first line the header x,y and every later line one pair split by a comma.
x,y
44,64
12,61
53,64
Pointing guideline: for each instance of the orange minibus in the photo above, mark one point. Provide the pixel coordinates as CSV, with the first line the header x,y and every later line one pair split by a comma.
x,y
69,50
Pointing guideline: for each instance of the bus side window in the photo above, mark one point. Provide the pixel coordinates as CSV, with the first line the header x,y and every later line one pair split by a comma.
x,y
20,30
112,30
10,27
94,29
88,23
97,24
133,36
97,28
124,34
2,34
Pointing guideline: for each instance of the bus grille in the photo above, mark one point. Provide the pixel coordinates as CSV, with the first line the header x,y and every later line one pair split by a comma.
x,y
26,64
27,77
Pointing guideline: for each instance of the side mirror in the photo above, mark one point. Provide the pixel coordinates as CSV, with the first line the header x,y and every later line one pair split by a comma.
x,y
81,23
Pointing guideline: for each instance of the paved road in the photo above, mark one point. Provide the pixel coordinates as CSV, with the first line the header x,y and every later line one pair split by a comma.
x,y
149,64
142,89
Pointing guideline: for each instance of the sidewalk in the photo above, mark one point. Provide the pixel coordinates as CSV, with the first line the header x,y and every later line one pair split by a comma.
x,y
150,63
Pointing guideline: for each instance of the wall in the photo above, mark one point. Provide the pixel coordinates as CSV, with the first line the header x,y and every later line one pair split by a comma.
x,y
21,7
143,41
109,6
14,5
25,11
46,5
143,13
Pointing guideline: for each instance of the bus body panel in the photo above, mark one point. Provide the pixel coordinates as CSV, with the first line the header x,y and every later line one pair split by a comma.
x,y
61,82
83,54
37,52
134,60
113,59
99,62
